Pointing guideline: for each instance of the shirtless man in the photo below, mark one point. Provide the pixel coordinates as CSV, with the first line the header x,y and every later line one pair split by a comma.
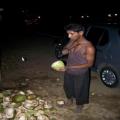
x,y
81,55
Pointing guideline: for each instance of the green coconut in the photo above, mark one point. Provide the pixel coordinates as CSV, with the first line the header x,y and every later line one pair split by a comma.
x,y
1,100
1,108
7,93
57,65
19,98
1,95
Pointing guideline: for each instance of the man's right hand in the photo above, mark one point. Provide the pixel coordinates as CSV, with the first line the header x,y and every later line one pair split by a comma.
x,y
61,69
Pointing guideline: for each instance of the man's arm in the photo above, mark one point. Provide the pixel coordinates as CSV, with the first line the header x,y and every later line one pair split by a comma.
x,y
90,55
65,50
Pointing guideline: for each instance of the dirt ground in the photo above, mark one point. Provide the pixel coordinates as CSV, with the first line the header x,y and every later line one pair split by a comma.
x,y
34,73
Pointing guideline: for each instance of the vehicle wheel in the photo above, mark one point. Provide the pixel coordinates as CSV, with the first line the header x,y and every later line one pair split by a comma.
x,y
109,76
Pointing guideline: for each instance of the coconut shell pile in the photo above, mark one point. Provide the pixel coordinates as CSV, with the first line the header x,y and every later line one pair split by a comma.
x,y
24,105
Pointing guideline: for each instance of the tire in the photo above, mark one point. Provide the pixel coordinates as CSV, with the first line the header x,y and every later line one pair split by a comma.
x,y
109,76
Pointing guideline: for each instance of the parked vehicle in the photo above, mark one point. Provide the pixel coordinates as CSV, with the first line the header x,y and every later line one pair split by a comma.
x,y
106,39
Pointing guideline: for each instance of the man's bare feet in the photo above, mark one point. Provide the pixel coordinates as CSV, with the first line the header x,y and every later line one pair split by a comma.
x,y
79,108
69,102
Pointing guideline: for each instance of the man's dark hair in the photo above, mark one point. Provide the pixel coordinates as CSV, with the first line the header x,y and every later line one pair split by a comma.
x,y
74,27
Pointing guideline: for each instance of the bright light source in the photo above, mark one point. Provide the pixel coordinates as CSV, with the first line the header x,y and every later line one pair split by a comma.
x,y
116,14
39,17
109,15
82,16
23,59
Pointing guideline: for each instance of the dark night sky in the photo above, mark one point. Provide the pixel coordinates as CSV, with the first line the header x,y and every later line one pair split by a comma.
x,y
13,19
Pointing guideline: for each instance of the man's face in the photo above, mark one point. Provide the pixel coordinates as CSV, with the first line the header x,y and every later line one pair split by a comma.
x,y
73,35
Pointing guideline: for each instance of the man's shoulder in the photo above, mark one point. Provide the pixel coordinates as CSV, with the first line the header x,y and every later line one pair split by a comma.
x,y
88,43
